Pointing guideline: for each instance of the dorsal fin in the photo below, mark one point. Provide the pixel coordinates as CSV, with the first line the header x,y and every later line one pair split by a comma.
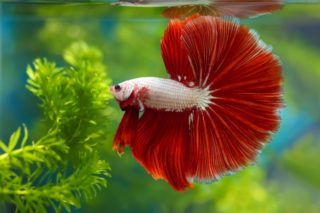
x,y
209,43
127,129
173,52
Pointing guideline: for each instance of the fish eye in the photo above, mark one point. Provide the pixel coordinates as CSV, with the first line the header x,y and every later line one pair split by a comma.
x,y
117,87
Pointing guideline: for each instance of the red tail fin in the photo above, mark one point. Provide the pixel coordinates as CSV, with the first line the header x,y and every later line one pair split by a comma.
x,y
236,8
245,80
161,146
127,129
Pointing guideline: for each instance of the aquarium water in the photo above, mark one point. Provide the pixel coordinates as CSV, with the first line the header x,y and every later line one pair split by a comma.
x,y
124,43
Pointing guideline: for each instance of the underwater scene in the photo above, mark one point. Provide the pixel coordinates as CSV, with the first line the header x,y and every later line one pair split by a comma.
x,y
160,106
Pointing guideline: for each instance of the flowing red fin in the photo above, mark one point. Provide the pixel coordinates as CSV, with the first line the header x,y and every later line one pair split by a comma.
x,y
245,80
160,146
126,131
246,8
173,53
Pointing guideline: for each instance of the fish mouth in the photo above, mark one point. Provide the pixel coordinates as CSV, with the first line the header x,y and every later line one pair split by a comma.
x,y
112,90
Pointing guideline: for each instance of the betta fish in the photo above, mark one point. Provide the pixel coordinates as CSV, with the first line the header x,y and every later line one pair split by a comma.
x,y
185,8
214,113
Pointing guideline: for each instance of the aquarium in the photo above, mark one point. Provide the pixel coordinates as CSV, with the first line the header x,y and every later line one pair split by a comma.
x,y
58,118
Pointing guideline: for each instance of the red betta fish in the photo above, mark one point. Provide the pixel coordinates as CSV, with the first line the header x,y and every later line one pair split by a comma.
x,y
185,8
215,112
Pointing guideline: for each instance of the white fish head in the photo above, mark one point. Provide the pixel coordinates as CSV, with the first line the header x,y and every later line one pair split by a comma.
x,y
121,92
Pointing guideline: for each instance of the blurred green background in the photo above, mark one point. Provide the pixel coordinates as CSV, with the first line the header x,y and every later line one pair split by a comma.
x,y
286,177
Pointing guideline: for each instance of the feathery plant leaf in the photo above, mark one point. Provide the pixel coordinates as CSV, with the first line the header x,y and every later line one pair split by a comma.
x,y
76,97
46,151
62,168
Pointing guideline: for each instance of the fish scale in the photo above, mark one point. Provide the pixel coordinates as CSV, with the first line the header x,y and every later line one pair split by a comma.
x,y
170,95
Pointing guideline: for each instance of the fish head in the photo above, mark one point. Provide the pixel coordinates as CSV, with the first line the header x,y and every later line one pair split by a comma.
x,y
122,91
124,94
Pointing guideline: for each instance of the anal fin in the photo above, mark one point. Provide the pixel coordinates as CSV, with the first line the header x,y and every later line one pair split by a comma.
x,y
161,146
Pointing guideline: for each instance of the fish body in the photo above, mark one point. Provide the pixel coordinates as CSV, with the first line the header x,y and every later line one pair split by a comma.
x,y
185,8
162,94
214,113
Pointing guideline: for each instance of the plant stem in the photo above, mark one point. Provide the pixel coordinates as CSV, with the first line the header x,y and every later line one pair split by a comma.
x,y
7,155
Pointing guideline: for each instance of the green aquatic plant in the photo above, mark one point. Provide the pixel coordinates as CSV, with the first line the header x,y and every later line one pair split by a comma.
x,y
74,98
63,167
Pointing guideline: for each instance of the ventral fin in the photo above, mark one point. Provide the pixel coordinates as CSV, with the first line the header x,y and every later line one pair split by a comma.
x,y
127,129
